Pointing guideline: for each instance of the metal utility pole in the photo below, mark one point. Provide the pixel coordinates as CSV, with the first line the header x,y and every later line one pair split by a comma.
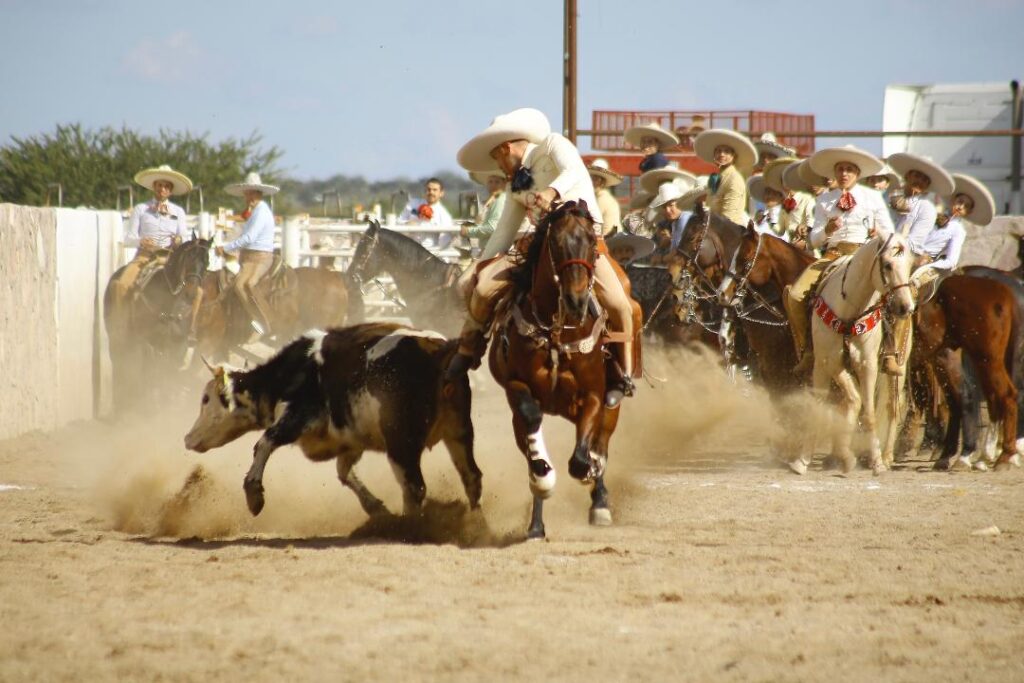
x,y
569,73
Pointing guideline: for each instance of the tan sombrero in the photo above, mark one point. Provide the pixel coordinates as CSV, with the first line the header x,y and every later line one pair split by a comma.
x,y
902,163
691,196
773,171
664,137
641,200
824,161
520,124
180,182
755,187
251,182
642,246
984,205
768,144
746,154
599,167
807,177
651,180
894,178
481,177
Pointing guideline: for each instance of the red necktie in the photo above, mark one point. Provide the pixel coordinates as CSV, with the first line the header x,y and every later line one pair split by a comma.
x,y
789,203
846,202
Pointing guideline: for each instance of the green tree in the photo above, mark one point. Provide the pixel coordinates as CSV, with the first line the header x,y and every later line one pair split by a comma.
x,y
91,164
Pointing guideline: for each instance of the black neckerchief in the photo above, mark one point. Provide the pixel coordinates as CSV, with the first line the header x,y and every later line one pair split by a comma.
x,y
522,180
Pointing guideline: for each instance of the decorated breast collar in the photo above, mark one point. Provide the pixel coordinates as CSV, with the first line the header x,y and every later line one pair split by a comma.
x,y
861,325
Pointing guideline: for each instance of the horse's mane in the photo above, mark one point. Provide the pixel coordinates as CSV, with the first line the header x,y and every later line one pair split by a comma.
x,y
410,253
522,271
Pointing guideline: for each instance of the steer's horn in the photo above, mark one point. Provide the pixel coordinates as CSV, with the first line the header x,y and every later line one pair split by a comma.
x,y
212,369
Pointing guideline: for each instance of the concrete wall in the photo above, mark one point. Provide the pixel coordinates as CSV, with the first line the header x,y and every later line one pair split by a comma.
x,y
54,265
995,245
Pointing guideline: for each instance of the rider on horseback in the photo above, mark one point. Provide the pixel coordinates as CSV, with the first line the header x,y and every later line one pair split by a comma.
x,y
256,245
844,219
155,225
544,167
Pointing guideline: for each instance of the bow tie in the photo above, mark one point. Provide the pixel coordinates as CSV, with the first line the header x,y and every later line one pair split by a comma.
x,y
161,208
522,180
789,204
846,202
714,180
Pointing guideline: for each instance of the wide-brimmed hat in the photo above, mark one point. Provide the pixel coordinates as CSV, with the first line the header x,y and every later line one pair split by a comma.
x,y
179,181
664,137
984,205
651,180
642,246
251,182
755,187
773,171
824,161
520,124
903,162
894,178
641,200
599,167
704,146
690,197
768,144
806,176
667,193
480,177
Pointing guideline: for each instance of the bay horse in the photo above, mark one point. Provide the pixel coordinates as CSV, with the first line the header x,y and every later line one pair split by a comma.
x,y
148,329
426,283
847,335
980,316
547,355
654,289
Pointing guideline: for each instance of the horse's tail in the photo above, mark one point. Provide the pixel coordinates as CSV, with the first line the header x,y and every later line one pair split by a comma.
x,y
1013,355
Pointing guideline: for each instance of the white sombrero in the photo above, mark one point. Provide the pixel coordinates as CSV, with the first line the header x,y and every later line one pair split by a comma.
x,y
251,182
179,181
651,180
664,137
773,171
746,154
984,205
768,144
691,196
599,167
755,187
642,246
894,178
902,163
641,200
806,176
824,161
520,124
667,193
481,177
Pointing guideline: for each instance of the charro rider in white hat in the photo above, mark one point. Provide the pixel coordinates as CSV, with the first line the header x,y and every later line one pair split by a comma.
x,y
604,179
156,224
735,156
256,249
545,168
844,219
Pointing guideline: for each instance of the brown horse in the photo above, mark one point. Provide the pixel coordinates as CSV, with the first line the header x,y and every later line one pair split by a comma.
x,y
547,355
761,262
979,316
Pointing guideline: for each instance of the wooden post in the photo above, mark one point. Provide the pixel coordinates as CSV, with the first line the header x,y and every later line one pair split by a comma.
x,y
569,73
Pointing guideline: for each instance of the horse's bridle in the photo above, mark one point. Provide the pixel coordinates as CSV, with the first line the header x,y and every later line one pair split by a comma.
x,y
196,275
356,268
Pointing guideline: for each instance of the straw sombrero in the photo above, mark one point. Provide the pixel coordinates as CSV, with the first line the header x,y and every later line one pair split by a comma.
x,y
520,124
755,187
651,180
768,144
640,200
642,246
664,137
984,205
806,176
773,171
480,177
180,182
746,154
251,182
902,163
824,161
894,178
599,167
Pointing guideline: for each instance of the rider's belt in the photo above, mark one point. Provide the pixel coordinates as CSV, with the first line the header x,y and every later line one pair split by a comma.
x,y
841,249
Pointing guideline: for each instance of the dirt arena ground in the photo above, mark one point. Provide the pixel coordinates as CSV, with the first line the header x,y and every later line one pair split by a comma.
x,y
124,557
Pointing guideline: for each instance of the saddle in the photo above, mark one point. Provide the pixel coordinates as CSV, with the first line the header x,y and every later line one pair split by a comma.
x,y
149,270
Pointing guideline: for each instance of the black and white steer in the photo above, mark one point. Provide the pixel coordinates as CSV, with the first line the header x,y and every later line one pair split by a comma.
x,y
376,386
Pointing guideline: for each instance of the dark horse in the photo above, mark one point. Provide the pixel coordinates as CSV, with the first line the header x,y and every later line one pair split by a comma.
x,y
149,328
547,355
425,282
657,293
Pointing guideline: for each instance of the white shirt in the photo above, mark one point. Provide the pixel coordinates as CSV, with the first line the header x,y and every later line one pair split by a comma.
x,y
258,231
148,222
440,216
856,225
554,163
769,224
918,222
944,244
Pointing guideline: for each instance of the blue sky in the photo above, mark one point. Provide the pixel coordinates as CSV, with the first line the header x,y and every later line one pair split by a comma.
x,y
394,87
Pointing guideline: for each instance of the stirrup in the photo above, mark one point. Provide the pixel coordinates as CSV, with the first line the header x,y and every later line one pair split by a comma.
x,y
891,367
622,388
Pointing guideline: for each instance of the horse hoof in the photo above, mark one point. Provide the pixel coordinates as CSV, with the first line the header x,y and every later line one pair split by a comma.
x,y
600,517
1007,462
960,465
798,466
254,499
942,464
535,534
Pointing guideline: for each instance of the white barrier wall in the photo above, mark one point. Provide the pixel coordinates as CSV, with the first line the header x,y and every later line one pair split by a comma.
x,y
995,245
54,264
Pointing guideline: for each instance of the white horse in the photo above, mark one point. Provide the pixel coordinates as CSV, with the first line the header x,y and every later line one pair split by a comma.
x,y
847,334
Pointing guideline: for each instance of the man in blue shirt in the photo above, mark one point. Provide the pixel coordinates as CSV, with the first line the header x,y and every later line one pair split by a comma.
x,y
256,250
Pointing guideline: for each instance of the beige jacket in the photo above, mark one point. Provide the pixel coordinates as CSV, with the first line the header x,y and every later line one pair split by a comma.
x,y
611,212
800,219
730,200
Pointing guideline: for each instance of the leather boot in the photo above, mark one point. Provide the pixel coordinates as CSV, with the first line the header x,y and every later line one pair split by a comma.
x,y
619,381
799,326
472,345
894,344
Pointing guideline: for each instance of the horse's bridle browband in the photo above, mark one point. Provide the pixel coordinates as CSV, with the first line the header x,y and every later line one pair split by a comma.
x,y
356,269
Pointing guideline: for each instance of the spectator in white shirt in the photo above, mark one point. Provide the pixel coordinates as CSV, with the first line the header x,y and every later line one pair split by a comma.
x,y
429,211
